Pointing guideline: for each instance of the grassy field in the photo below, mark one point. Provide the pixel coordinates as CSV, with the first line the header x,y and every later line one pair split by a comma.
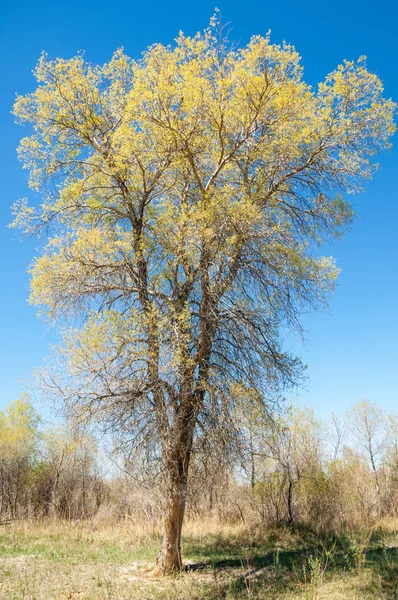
x,y
59,561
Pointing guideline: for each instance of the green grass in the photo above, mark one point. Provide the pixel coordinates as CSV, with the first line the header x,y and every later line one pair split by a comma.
x,y
58,561
75,546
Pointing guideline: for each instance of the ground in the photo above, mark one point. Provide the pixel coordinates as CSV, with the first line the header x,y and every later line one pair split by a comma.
x,y
114,561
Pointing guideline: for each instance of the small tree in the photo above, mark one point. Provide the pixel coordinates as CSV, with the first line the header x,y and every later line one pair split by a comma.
x,y
185,194
67,481
391,462
295,446
18,451
367,426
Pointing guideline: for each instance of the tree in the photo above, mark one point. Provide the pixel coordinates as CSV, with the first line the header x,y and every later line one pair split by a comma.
x,y
18,449
337,434
294,445
367,426
57,449
69,479
391,462
185,195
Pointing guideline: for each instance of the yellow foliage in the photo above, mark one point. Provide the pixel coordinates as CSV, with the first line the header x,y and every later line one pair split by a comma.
x,y
18,429
189,185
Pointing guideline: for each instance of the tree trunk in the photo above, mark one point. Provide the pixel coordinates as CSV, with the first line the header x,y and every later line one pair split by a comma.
x,y
49,498
177,464
290,503
170,556
252,465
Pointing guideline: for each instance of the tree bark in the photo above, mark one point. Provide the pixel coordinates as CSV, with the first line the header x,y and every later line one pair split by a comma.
x,y
178,456
290,503
252,465
170,556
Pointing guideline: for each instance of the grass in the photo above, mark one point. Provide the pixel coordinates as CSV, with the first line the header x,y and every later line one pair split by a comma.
x,y
85,561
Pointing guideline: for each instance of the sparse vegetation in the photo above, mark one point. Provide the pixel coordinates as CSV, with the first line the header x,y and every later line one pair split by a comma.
x,y
335,536
54,560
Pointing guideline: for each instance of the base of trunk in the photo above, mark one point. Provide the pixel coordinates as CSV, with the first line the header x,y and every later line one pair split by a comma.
x,y
170,557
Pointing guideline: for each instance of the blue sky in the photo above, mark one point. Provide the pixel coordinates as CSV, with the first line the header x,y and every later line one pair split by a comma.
x,y
351,349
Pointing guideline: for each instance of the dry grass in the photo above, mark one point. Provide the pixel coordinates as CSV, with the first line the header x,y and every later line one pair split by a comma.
x,y
53,560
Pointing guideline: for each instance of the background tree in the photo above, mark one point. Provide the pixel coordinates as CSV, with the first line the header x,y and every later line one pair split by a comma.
x,y
294,445
185,194
19,438
367,426
337,435
67,478
391,463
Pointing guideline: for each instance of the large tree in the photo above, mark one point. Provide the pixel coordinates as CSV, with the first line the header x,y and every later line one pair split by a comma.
x,y
185,195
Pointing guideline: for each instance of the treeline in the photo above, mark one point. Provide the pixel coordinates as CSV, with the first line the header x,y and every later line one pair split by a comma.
x,y
329,476
46,473
293,470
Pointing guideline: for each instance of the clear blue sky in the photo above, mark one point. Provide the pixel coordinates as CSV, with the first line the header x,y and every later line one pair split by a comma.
x,y
351,350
